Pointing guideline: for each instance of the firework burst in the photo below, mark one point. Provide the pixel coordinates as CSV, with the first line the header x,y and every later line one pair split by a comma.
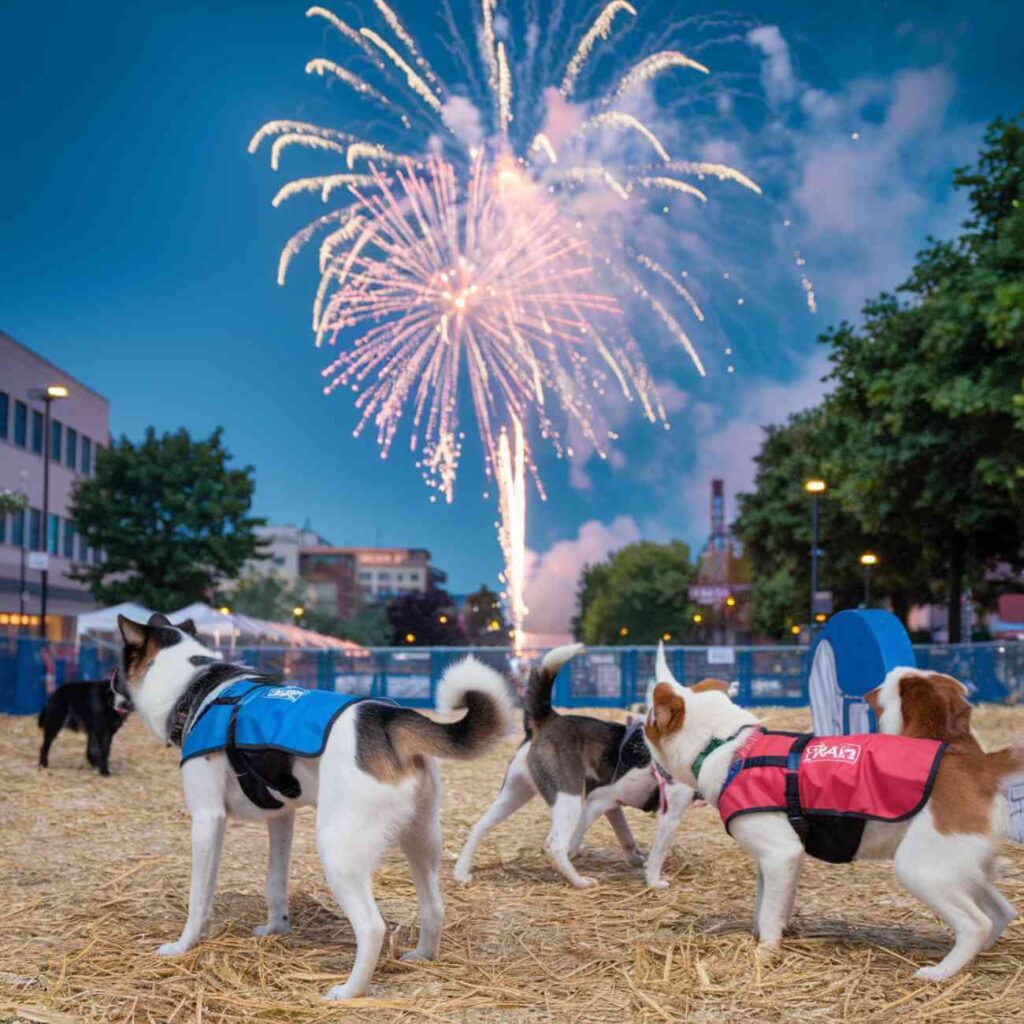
x,y
471,265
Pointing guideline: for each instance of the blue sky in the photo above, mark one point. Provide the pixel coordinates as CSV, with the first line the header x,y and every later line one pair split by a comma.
x,y
139,248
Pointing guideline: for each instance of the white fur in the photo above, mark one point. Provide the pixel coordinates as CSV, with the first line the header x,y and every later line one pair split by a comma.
x,y
471,674
558,656
358,818
890,721
952,874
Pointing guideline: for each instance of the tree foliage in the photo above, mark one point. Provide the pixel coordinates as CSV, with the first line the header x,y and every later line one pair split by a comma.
x,y
267,596
922,438
485,619
171,516
431,618
642,588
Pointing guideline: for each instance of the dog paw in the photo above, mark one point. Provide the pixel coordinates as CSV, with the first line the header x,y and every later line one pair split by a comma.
x,y
657,883
767,952
173,948
584,882
936,973
462,876
280,928
342,992
636,857
417,954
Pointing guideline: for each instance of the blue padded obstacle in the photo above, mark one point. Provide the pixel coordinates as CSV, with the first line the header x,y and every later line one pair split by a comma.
x,y
853,654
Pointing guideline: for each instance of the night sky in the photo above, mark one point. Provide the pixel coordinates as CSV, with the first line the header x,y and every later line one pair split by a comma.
x,y
138,246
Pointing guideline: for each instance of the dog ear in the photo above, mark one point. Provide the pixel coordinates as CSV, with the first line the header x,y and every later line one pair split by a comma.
x,y
132,633
925,715
157,619
188,626
668,710
871,697
711,684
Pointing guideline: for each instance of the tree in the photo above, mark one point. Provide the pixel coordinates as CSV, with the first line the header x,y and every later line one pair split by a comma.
x,y
267,596
369,626
642,589
430,618
485,619
171,516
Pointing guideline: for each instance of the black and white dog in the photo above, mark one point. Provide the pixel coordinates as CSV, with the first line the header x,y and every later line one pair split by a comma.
x,y
96,707
375,781
583,767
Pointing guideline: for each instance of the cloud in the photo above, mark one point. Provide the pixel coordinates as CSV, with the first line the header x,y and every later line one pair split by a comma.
x,y
553,575
726,448
777,74
463,118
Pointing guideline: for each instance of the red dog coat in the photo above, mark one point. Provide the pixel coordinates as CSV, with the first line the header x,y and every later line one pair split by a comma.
x,y
830,785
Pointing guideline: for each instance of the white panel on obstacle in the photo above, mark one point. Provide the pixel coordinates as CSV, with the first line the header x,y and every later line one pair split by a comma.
x,y
854,653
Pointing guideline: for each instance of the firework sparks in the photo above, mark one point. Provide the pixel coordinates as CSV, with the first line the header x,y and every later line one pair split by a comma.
x,y
459,276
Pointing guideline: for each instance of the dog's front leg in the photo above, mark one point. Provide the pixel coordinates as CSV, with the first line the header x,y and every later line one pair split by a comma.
x,y
565,814
596,805
779,875
207,839
677,798
280,829
617,819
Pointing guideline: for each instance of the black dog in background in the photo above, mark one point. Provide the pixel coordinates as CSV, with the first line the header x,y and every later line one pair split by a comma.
x,y
97,708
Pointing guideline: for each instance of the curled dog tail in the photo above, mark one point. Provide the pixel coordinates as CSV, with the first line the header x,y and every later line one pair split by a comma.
x,y
1007,762
537,706
393,740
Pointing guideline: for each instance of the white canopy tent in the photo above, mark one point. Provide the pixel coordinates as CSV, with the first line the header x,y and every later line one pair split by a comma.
x,y
104,620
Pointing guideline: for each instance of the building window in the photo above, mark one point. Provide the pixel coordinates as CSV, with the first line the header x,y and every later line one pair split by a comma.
x,y
5,412
56,430
37,432
97,556
35,530
83,549
3,527
18,528
71,454
53,533
20,423
86,456
69,539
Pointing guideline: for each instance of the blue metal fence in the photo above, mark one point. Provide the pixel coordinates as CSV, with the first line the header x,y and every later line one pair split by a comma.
x,y
601,677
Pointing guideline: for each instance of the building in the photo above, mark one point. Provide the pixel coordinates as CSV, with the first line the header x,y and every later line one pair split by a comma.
x,y
79,428
282,547
340,579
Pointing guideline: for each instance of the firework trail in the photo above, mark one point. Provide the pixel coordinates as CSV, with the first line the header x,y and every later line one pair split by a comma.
x,y
463,273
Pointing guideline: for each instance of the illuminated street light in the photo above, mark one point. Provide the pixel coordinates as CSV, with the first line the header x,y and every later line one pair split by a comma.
x,y
224,610
624,631
730,601
815,487
795,630
698,618
410,638
666,637
443,619
869,560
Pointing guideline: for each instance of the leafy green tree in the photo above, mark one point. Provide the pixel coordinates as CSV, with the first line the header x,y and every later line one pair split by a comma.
x,y
485,619
369,626
268,596
171,516
642,589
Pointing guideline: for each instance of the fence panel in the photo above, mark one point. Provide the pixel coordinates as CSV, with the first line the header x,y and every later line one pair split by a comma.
x,y
600,677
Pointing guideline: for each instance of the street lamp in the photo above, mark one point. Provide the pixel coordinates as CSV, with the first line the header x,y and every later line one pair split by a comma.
x,y
624,631
51,394
297,612
868,559
815,487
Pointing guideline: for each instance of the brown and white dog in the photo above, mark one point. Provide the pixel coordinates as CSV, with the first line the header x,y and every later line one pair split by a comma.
x,y
583,767
375,781
943,854
926,705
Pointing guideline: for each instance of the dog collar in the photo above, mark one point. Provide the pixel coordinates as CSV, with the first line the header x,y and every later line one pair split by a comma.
x,y
712,745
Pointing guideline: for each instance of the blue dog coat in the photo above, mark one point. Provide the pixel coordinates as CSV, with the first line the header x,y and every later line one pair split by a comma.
x,y
252,716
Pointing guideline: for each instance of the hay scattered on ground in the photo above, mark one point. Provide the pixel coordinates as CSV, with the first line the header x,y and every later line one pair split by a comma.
x,y
95,873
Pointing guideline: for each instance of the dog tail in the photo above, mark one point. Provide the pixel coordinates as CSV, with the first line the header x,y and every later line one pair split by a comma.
x,y
537,706
1007,762
468,684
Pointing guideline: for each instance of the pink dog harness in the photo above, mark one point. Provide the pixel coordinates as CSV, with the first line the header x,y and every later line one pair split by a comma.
x,y
828,786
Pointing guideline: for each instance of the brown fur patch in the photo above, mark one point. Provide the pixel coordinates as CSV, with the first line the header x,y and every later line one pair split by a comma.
x,y
711,684
668,711
935,707
966,785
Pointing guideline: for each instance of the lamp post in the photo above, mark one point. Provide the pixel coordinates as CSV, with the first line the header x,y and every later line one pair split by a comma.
x,y
50,395
815,488
868,559
21,512
297,612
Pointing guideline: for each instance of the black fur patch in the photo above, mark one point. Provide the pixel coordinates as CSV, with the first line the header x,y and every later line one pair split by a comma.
x,y
88,706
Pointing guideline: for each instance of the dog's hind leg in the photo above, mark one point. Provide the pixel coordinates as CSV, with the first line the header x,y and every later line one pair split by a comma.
x,y
516,790
565,815
421,843
677,799
207,839
596,804
280,829
103,752
617,819
51,726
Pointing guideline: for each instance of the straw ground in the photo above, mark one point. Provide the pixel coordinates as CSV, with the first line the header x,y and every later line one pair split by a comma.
x,y
94,875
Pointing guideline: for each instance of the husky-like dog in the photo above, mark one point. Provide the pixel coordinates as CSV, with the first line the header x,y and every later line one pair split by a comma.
x,y
583,767
374,781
